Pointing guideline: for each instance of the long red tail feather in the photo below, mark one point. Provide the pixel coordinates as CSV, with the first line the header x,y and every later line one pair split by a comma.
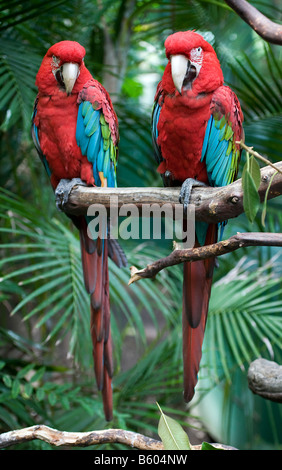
x,y
96,279
197,281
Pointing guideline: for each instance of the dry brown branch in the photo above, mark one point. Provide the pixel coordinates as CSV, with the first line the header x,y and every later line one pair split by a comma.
x,y
212,205
85,439
78,439
267,29
217,249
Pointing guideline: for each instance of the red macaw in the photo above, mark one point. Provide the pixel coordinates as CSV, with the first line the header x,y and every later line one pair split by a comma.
x,y
75,131
196,126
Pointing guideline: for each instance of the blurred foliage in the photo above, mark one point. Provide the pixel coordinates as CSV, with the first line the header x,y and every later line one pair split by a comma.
x,y
46,371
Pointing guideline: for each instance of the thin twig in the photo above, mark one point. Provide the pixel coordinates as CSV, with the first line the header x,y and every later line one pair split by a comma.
x,y
216,249
259,156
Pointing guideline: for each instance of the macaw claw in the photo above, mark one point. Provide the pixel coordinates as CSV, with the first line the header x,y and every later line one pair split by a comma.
x,y
186,189
63,191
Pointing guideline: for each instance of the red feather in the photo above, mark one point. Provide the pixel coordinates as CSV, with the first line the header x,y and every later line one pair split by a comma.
x,y
56,120
179,126
197,282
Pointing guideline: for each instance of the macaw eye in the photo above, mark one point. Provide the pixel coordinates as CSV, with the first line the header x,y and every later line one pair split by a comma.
x,y
196,54
55,61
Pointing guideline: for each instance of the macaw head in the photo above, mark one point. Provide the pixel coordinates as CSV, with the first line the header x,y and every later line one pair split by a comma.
x,y
193,63
61,67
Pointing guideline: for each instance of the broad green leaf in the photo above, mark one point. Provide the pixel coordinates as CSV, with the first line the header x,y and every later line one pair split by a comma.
x,y
254,170
27,390
172,434
52,398
40,394
251,199
7,381
15,388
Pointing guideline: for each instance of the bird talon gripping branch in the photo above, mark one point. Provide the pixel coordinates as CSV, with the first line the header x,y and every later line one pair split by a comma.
x,y
64,189
186,189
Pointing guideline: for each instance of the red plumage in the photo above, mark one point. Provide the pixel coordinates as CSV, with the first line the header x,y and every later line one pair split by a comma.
x,y
55,121
185,100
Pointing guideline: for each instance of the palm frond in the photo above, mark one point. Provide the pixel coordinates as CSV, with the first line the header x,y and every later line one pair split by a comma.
x,y
244,321
48,267
19,65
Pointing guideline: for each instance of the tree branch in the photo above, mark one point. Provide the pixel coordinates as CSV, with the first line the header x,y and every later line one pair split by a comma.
x,y
216,249
212,205
85,439
267,29
79,439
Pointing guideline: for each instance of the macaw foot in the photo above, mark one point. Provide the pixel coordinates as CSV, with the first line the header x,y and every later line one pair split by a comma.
x,y
167,178
63,190
186,189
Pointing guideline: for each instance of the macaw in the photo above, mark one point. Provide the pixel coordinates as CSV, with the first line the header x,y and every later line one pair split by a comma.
x,y
196,127
75,131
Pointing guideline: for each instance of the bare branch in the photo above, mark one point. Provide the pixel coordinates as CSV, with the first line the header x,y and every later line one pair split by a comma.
x,y
216,249
212,205
80,439
84,439
267,29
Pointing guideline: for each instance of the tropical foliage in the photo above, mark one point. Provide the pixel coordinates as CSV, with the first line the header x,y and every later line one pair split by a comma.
x,y
46,373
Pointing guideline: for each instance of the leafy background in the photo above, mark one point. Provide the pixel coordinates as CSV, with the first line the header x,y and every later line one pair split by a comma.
x,y
46,372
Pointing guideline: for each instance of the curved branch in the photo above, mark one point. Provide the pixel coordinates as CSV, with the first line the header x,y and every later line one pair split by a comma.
x,y
216,249
267,29
85,439
80,439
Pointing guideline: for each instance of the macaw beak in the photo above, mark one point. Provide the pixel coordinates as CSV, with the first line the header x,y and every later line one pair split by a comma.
x,y
183,72
70,73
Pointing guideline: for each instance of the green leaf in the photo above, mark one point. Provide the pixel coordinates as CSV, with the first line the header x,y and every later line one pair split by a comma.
x,y
15,388
254,170
40,394
38,375
263,215
251,199
207,446
172,434
27,390
52,398
7,381
22,372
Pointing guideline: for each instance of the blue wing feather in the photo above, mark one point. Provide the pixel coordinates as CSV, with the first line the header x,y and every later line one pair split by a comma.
x,y
216,152
95,143
34,133
218,155
155,119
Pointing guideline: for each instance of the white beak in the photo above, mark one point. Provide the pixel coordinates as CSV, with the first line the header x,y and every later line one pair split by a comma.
x,y
70,73
178,70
